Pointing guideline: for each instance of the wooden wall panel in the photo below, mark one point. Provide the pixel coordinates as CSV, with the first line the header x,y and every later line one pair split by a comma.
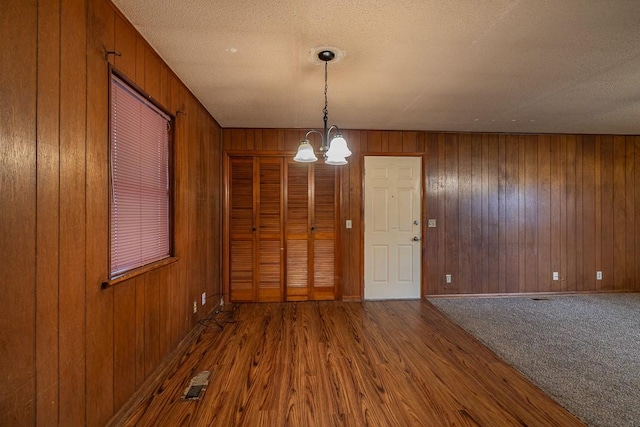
x,y
493,226
141,55
510,209
99,303
73,232
478,265
630,210
126,46
140,328
571,249
72,353
47,212
124,343
607,198
450,220
589,214
578,246
502,208
180,236
466,237
543,228
151,321
18,202
636,194
351,250
152,74
511,227
431,211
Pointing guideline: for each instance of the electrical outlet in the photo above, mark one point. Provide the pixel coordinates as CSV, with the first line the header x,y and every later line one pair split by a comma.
x,y
598,275
204,298
556,276
447,278
195,307
431,223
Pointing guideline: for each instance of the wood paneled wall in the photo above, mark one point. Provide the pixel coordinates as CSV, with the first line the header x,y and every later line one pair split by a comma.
x,y
71,353
510,209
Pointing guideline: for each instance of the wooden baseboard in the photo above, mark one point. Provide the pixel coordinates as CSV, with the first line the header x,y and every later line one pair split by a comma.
x,y
530,294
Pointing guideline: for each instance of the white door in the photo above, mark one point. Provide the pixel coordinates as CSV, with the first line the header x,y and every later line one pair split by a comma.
x,y
392,188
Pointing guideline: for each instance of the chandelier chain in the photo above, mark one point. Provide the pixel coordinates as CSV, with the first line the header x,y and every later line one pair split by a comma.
x,y
326,86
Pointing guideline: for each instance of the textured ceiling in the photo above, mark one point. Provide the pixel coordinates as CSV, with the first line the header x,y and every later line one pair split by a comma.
x,y
559,66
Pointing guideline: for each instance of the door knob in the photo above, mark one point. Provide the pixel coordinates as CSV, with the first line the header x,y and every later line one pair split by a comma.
x,y
416,239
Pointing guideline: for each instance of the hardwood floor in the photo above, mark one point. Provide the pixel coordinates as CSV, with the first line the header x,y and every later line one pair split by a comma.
x,y
391,363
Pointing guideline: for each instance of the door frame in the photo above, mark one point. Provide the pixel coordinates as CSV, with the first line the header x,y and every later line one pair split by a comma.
x,y
423,210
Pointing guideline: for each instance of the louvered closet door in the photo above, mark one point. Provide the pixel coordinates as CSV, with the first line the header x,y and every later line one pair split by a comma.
x,y
323,231
311,231
270,235
298,222
241,228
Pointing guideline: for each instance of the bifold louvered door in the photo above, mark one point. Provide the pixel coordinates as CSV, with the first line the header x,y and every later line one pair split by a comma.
x,y
282,229
311,224
256,243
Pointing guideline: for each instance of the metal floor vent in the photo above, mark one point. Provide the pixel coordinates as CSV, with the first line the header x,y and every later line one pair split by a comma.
x,y
197,386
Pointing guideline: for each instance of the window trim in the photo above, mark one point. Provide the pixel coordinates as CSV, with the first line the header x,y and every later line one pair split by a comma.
x,y
139,271
172,258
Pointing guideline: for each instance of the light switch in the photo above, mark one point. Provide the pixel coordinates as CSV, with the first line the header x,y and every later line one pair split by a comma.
x,y
348,223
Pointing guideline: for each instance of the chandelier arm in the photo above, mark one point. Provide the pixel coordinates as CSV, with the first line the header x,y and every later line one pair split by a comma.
x,y
333,127
306,137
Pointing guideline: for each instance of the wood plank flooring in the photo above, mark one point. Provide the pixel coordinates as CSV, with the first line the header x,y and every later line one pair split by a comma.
x,y
392,363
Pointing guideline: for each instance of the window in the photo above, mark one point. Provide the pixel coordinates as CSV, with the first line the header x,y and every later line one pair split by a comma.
x,y
139,181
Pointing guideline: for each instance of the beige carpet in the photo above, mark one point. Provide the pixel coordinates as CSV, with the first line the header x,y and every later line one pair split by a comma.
x,y
583,350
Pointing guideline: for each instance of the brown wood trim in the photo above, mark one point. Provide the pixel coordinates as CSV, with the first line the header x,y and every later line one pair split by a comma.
x,y
284,283
226,252
394,154
311,235
337,227
139,271
256,227
259,153
361,242
283,231
423,223
531,294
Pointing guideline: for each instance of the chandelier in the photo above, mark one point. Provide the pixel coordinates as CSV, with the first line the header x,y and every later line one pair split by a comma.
x,y
335,151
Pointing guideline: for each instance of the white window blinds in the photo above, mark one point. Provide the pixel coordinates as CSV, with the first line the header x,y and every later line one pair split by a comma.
x,y
139,180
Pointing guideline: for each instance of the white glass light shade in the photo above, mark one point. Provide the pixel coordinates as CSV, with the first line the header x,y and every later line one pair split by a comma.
x,y
335,160
305,153
338,147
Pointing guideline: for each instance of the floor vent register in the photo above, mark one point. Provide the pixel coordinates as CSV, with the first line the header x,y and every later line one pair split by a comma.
x,y
197,386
